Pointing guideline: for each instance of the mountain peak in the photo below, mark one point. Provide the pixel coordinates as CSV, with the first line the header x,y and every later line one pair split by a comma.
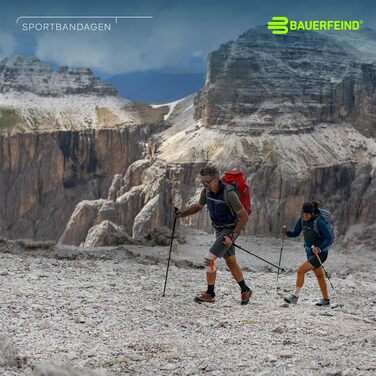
x,y
289,83
29,74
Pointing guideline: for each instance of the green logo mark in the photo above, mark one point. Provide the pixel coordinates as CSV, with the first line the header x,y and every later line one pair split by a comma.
x,y
282,25
278,25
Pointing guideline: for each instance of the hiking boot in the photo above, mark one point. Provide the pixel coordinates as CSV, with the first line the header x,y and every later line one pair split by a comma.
x,y
291,299
204,297
323,302
245,296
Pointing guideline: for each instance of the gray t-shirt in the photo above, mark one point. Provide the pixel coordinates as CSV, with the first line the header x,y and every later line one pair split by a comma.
x,y
232,200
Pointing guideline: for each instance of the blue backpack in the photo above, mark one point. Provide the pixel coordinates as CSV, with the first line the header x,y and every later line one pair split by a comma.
x,y
327,217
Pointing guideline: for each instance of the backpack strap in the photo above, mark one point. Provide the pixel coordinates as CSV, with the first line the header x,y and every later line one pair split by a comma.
x,y
315,229
227,190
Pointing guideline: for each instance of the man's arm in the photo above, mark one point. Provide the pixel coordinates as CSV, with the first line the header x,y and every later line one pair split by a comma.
x,y
195,208
243,218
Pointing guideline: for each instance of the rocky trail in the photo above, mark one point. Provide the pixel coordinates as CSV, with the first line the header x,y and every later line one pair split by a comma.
x,y
85,311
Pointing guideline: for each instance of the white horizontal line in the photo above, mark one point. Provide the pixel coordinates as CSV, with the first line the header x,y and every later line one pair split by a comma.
x,y
93,17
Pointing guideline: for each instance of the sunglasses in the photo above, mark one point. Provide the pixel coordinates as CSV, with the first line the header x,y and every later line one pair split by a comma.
x,y
206,183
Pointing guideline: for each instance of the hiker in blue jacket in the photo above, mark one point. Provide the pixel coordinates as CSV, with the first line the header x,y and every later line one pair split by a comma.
x,y
317,240
228,219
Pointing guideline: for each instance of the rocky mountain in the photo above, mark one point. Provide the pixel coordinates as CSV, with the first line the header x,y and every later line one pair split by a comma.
x,y
91,170
34,97
63,135
293,82
44,175
21,74
296,113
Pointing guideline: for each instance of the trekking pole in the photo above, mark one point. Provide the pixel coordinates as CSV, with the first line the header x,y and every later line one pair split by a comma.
x,y
331,285
169,255
280,258
238,246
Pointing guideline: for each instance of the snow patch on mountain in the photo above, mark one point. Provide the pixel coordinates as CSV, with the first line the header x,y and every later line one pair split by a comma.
x,y
170,105
67,112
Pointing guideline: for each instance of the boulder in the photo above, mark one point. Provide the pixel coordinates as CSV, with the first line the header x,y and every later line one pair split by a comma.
x,y
107,233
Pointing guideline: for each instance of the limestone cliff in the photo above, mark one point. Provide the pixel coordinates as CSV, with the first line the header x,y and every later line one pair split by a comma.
x,y
63,135
335,165
296,113
44,175
262,83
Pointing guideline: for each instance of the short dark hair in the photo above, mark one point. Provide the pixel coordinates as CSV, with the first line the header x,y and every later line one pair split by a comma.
x,y
210,171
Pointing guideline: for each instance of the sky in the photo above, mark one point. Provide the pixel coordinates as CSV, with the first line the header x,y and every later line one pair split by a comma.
x,y
177,38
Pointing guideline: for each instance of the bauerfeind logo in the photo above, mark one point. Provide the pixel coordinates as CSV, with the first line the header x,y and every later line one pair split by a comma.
x,y
282,25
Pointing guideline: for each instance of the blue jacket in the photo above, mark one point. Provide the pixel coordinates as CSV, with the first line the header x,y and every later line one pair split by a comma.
x,y
324,238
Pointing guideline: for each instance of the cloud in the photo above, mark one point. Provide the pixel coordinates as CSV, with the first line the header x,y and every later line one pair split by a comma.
x,y
174,37
68,49
181,33
7,44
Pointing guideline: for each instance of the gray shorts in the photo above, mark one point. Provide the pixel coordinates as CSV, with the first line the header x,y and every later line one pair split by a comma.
x,y
218,248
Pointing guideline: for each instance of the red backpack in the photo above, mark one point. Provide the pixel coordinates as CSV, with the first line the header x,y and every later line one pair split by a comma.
x,y
236,179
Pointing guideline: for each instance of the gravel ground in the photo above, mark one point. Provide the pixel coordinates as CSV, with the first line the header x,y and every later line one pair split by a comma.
x,y
103,309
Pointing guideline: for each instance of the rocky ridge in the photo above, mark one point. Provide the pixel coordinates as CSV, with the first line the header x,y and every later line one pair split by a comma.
x,y
44,175
310,138
33,97
22,74
296,114
290,83
331,163
58,147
